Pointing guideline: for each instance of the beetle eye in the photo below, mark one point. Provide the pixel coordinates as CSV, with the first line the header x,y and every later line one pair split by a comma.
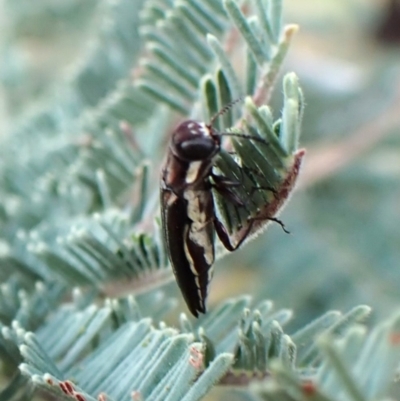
x,y
197,148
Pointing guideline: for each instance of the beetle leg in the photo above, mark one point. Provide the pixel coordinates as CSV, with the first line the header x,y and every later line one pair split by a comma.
x,y
256,188
223,186
243,233
280,222
224,236
221,181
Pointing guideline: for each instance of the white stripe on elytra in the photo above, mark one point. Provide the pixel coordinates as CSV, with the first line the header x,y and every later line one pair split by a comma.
x,y
210,273
193,270
189,256
200,298
200,220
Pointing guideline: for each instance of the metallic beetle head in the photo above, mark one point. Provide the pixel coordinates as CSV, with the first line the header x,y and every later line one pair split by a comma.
x,y
195,141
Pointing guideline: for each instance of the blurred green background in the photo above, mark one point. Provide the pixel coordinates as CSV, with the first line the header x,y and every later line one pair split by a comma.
x,y
344,218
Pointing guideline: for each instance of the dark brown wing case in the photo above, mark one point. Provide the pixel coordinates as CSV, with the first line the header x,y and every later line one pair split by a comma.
x,y
175,224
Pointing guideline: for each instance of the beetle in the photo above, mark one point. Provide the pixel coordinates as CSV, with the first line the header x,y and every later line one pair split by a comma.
x,y
188,216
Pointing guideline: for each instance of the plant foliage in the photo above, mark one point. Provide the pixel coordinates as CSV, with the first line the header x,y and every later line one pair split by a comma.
x,y
79,219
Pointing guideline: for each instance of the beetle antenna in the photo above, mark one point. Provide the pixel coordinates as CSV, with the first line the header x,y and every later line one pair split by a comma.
x,y
252,137
226,108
